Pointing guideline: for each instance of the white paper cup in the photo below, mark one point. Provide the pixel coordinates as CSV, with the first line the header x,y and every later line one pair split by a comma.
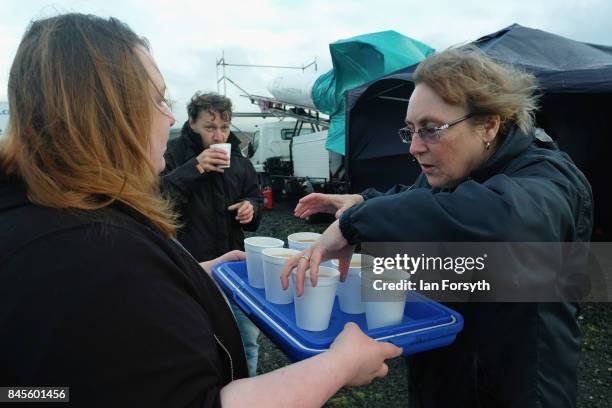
x,y
253,247
274,260
387,313
302,240
381,314
227,148
313,309
349,291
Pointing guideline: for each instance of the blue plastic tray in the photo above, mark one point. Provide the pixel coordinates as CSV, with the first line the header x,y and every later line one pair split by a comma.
x,y
426,325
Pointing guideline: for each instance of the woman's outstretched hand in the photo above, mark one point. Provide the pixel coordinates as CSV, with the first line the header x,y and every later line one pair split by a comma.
x,y
315,203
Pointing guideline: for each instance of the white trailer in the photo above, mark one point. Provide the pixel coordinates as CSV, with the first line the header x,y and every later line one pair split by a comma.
x,y
292,159
290,155
271,140
310,157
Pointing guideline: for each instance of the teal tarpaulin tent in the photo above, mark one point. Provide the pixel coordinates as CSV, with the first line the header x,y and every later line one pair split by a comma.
x,y
356,61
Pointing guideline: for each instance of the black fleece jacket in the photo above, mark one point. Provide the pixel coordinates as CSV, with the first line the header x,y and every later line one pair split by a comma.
x,y
102,302
508,354
209,229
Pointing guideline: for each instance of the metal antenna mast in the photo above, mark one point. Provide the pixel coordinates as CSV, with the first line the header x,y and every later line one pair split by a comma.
x,y
222,63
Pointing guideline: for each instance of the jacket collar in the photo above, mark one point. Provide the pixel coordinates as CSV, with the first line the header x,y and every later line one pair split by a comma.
x,y
13,194
515,143
193,140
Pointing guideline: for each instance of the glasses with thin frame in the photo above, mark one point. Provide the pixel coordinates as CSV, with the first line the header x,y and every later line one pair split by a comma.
x,y
429,135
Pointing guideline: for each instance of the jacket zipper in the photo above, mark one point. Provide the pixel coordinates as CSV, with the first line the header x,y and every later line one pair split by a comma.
x,y
228,356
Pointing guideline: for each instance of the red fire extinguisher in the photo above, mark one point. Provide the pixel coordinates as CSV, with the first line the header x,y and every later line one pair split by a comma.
x,y
267,196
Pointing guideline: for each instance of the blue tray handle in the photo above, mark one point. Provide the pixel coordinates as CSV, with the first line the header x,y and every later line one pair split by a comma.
x,y
397,342
246,308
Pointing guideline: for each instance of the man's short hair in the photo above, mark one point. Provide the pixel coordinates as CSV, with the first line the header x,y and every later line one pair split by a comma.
x,y
212,103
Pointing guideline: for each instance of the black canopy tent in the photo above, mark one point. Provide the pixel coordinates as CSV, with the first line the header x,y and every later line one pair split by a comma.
x,y
576,83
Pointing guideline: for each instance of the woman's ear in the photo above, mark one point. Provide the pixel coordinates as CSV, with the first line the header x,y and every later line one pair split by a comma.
x,y
490,126
191,123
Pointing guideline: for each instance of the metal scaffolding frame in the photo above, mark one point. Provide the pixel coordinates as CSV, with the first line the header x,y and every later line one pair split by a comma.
x,y
271,107
222,63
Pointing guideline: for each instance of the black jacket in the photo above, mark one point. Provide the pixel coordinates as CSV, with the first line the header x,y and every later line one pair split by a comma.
x,y
511,354
101,301
209,229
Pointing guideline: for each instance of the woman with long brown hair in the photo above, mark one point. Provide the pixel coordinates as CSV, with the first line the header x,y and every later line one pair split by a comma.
x,y
95,294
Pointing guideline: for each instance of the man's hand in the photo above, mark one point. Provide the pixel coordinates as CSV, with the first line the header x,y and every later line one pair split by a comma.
x,y
245,211
210,159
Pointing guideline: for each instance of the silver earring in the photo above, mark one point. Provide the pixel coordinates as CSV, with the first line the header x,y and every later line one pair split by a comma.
x,y
487,145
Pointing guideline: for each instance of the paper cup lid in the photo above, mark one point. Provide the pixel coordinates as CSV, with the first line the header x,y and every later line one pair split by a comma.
x,y
264,242
364,260
300,236
327,276
275,255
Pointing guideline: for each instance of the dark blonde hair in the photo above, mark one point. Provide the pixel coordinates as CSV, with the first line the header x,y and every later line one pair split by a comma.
x,y
81,106
465,76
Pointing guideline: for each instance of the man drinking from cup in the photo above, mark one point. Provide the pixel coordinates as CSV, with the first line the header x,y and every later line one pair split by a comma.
x,y
215,190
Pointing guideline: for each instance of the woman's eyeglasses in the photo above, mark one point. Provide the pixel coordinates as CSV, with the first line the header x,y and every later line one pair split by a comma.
x,y
429,135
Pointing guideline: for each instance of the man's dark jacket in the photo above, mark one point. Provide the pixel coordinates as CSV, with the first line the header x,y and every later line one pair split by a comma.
x,y
209,229
508,354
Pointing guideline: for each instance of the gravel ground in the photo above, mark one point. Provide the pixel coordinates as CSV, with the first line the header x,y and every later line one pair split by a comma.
x,y
594,370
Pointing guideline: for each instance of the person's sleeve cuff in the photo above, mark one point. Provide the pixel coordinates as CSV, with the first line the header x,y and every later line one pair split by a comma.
x,y
347,229
370,193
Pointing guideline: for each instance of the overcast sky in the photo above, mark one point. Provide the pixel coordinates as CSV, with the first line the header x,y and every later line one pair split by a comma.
x,y
187,37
